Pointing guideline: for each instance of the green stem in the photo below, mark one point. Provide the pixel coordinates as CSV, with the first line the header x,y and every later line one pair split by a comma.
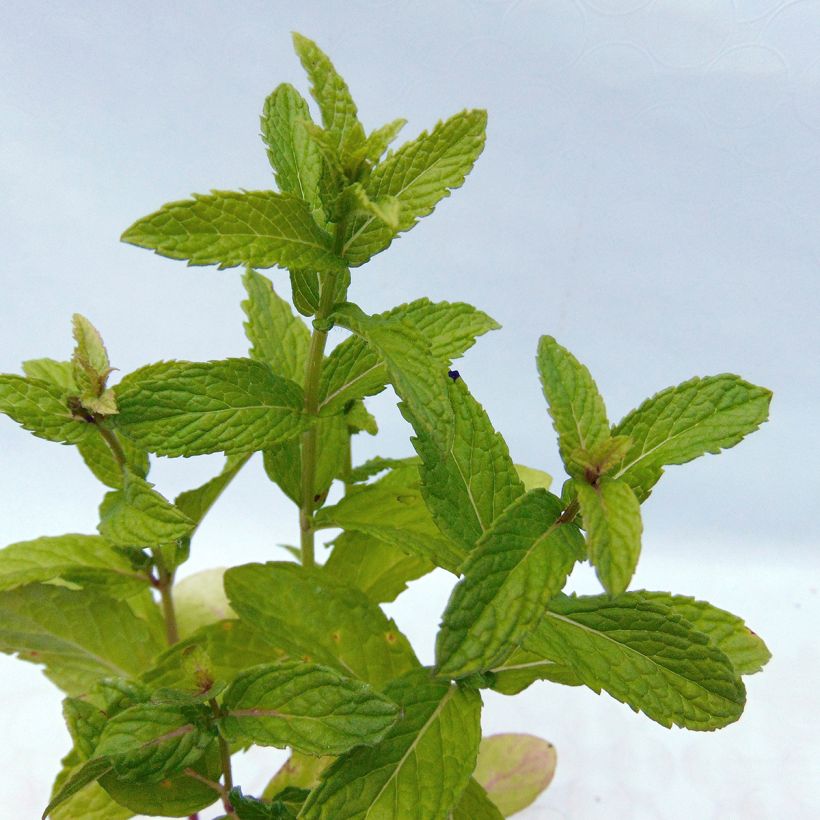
x,y
114,445
165,582
313,372
225,756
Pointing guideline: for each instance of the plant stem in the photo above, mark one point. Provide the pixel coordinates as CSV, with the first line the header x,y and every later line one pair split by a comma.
x,y
225,755
313,371
166,580
114,444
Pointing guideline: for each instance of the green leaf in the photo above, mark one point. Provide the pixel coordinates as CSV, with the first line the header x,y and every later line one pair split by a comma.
x,y
393,511
577,409
148,742
196,503
218,651
378,568
516,567
100,460
359,419
305,706
356,203
532,478
79,636
354,370
91,368
305,288
420,768
138,515
374,466
727,632
85,724
643,655
41,408
379,140
78,559
702,415
299,771
475,804
315,619
469,484
278,338
261,229
523,668
419,175
60,374
514,769
339,114
406,354
234,406
179,795
249,808
84,774
612,520
91,802
293,156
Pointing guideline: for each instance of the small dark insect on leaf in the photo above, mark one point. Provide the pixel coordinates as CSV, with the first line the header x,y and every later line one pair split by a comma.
x,y
454,375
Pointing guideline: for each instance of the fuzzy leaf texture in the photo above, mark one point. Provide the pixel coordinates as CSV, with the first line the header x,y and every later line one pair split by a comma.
x,y
419,175
406,354
339,113
148,742
294,157
612,520
316,619
192,408
354,369
87,560
79,636
517,566
746,650
40,407
643,655
702,415
393,511
177,795
278,338
307,707
577,409
138,515
469,484
420,768
261,229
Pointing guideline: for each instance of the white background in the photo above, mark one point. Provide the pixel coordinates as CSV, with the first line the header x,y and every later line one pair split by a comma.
x,y
648,195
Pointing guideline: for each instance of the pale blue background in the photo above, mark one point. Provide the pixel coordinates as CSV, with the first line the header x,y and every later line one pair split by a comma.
x,y
648,195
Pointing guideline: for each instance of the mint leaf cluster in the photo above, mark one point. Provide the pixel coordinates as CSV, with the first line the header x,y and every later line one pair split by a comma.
x,y
165,682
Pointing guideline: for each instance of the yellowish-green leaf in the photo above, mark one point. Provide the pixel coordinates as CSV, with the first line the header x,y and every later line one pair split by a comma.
x,y
139,516
612,642
702,415
261,229
516,567
420,768
612,520
191,408
277,337
577,409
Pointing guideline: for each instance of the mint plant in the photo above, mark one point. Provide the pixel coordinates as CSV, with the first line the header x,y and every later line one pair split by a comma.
x,y
160,694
